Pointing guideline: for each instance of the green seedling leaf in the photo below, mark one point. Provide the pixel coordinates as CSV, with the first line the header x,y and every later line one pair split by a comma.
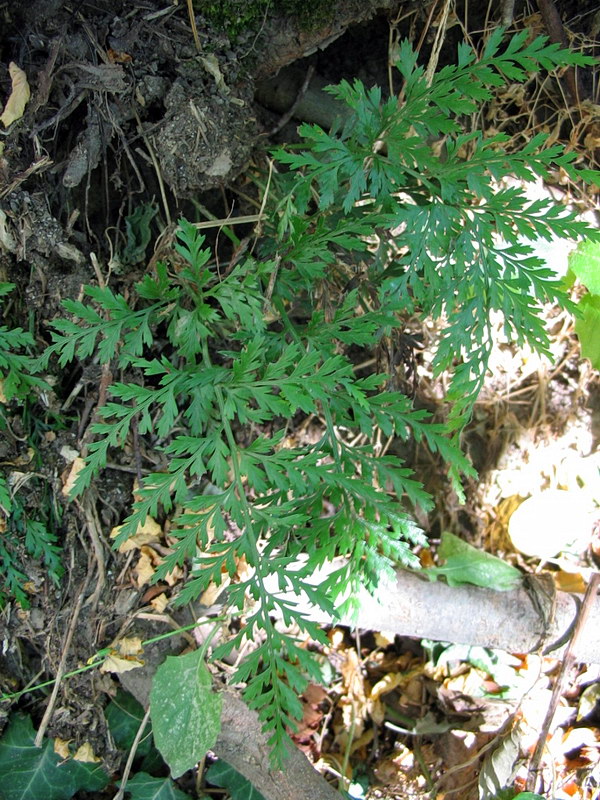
x,y
223,774
585,263
528,796
144,787
185,712
137,226
466,564
27,771
587,328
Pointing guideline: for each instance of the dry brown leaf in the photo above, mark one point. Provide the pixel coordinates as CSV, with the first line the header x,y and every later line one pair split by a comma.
x,y
314,694
86,754
171,578
19,96
76,466
129,646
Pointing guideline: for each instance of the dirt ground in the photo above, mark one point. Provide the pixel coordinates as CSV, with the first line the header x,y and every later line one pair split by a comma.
x,y
134,112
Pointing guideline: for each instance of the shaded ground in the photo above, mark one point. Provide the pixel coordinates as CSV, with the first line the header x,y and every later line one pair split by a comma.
x,y
129,127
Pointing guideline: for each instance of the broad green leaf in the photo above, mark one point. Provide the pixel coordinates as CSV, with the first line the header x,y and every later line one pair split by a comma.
x,y
587,328
28,772
585,263
466,564
185,712
144,787
223,774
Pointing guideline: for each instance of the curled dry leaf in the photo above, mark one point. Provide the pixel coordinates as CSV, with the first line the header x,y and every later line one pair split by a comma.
x,y
119,664
86,754
123,656
61,747
144,569
160,603
19,96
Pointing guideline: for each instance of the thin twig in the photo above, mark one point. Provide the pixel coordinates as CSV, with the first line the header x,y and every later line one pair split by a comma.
x,y
138,738
291,110
61,666
216,223
93,525
568,659
190,7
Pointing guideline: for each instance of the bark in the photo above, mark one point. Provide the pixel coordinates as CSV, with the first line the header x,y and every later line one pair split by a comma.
x,y
283,41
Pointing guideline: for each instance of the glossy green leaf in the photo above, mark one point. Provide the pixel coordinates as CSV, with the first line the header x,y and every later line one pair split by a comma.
x,y
144,787
224,775
124,716
28,772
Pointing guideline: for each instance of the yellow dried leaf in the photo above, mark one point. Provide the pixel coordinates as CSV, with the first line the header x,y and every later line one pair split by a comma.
x,y
61,748
211,594
143,570
244,571
149,532
573,582
76,467
384,638
129,646
120,664
3,398
387,684
171,578
86,754
19,96
160,602
336,637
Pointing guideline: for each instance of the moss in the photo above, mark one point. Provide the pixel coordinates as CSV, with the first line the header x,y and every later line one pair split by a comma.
x,y
234,17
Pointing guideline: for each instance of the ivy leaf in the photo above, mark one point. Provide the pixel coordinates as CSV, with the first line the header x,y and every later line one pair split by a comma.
x,y
144,787
224,775
185,712
27,771
124,716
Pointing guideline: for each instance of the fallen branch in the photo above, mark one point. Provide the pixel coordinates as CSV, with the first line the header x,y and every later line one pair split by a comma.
x,y
415,607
